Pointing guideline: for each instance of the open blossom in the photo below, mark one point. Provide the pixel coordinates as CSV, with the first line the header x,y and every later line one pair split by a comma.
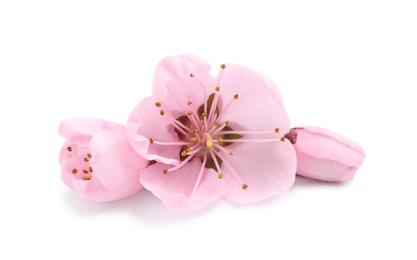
x,y
211,137
325,155
97,160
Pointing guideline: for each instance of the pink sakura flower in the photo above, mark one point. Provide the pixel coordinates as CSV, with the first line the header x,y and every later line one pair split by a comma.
x,y
97,160
325,155
211,137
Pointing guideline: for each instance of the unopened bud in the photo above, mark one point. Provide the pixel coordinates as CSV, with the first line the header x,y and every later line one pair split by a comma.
x,y
325,155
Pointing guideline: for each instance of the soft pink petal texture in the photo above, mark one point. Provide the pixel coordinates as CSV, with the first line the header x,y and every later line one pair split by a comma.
x,y
267,169
145,122
325,155
178,68
174,188
116,166
259,106
88,126
115,163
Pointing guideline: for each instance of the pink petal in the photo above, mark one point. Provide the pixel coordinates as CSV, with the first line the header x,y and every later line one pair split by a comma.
x,y
267,169
145,122
115,163
88,126
259,105
94,191
174,188
325,155
178,68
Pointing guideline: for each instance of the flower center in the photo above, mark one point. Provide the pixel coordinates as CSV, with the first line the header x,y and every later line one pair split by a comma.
x,y
78,163
204,134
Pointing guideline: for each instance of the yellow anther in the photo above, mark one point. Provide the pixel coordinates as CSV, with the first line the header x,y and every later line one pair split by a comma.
x,y
282,139
192,139
189,103
189,149
201,122
216,124
227,122
89,155
230,153
220,140
151,140
195,131
184,153
223,66
204,114
236,96
158,104
276,130
190,113
85,159
85,171
220,176
209,142
217,88
74,171
244,186
86,178
165,171
162,112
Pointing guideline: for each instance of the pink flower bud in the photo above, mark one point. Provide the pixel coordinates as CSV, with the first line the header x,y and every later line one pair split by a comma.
x,y
325,155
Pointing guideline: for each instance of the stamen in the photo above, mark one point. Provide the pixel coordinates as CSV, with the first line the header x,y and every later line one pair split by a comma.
x,y
89,155
90,169
200,174
244,186
169,143
223,66
249,140
184,153
85,171
165,171
212,112
158,104
215,161
175,122
250,132
195,151
217,88
69,148
227,122
231,169
86,178
236,96
219,147
85,159
162,112
181,164
74,171
190,113
189,103
220,176
282,139
191,75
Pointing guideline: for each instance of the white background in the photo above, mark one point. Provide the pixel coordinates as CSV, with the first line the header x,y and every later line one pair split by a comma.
x,y
349,66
